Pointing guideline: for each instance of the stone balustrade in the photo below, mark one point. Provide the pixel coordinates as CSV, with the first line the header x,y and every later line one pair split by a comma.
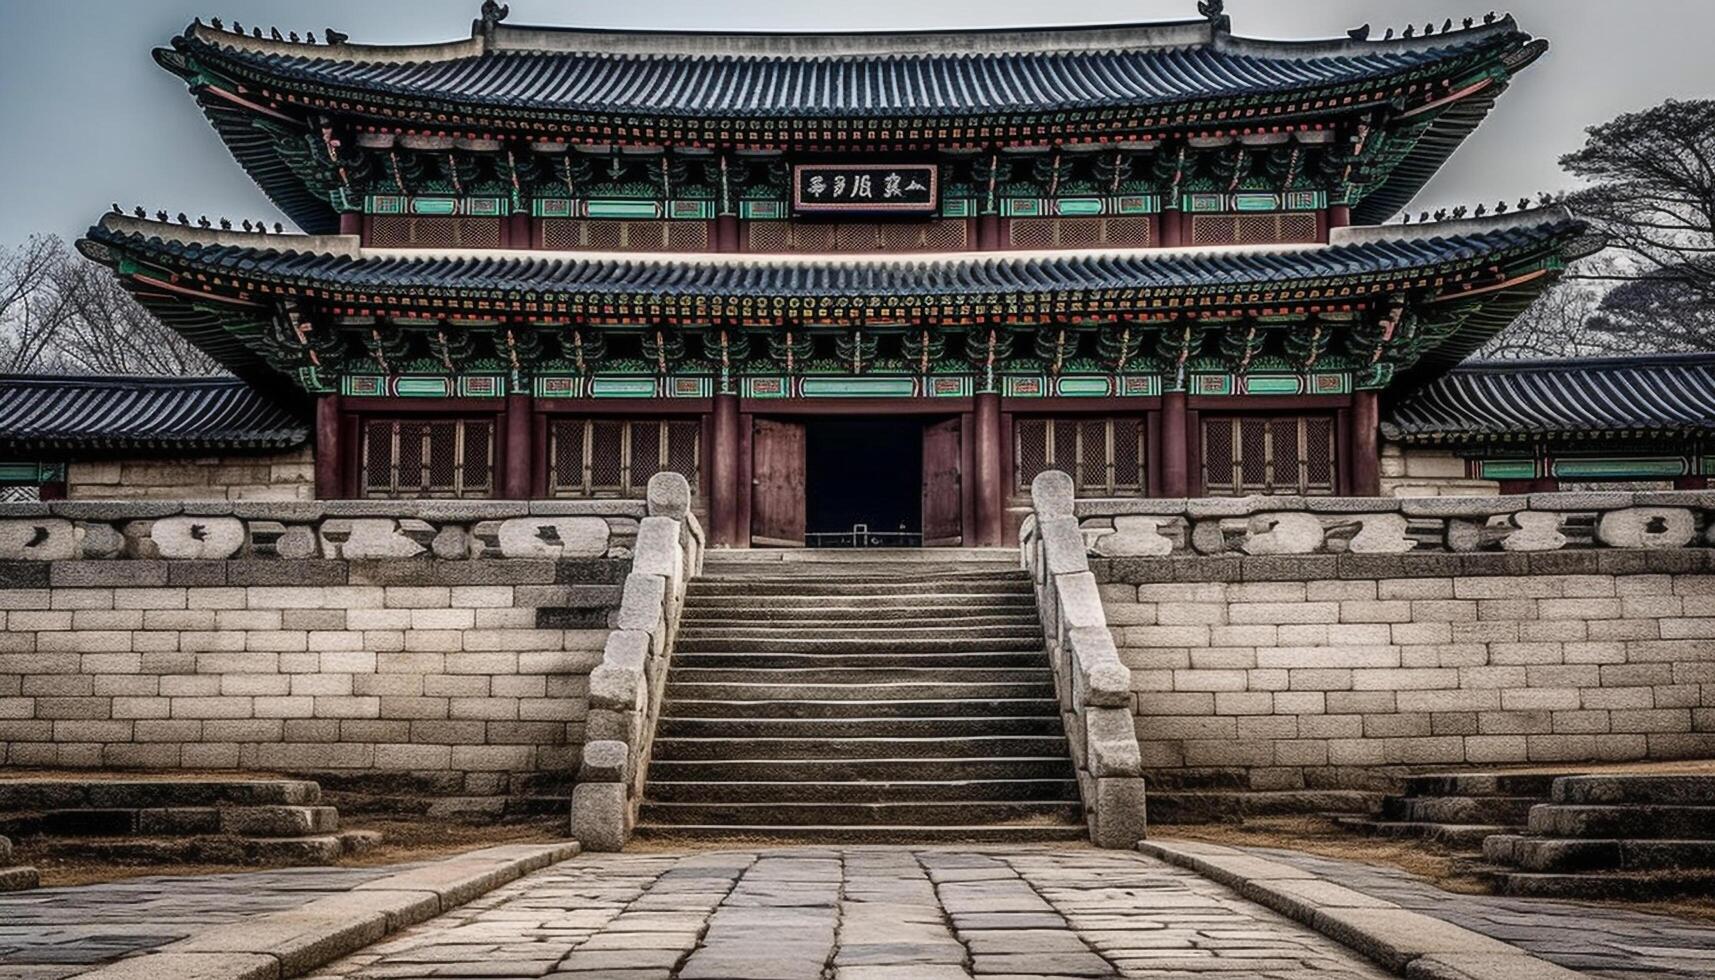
x,y
1093,685
626,688
349,530
1261,526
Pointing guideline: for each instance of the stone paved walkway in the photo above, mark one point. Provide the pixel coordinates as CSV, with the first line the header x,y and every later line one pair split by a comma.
x,y
860,913
1597,939
57,932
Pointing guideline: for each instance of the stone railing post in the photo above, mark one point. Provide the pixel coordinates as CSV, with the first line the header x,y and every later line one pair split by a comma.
x,y
627,686
1093,685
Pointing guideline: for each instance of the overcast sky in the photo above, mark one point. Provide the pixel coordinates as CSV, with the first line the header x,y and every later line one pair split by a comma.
x,y
88,118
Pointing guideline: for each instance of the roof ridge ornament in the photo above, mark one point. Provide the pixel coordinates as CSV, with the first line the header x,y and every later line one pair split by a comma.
x,y
1215,11
492,14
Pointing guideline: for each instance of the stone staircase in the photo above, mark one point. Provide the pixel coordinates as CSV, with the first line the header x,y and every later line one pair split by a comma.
x,y
1458,810
1613,835
166,820
861,697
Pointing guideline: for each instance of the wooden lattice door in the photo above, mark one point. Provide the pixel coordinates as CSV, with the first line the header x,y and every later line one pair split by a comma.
x,y
777,498
943,524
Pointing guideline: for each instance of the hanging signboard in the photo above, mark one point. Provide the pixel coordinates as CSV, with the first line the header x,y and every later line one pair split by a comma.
x,y
876,188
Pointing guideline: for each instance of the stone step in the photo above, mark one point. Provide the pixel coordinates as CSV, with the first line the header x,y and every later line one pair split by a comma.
x,y
831,678
817,729
1504,810
1650,788
1611,885
1046,831
930,661
829,813
863,791
884,635
19,878
763,691
1452,835
971,617
1623,821
816,771
920,591
932,575
37,795
842,604
678,706
682,747
1481,784
245,821
1172,806
1549,854
223,849
833,643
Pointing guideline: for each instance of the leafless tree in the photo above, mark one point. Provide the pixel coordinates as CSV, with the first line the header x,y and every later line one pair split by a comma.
x,y
61,314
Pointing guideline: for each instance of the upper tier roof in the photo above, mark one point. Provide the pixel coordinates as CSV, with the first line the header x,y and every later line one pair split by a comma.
x,y
851,75
55,414
901,91
1570,397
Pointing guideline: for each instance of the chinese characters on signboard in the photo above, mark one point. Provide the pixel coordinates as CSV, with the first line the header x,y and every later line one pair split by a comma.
x,y
876,187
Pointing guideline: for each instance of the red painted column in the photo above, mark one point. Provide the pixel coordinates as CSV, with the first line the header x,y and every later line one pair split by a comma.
x,y
726,233
988,233
519,232
1366,445
330,455
350,223
1339,216
724,473
1172,228
520,448
985,458
1175,460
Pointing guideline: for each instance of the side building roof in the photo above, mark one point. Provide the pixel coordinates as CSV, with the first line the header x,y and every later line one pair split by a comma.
x,y
855,91
1499,400
54,414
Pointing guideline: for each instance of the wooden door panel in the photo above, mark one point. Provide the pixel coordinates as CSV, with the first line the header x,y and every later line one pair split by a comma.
x,y
777,484
942,490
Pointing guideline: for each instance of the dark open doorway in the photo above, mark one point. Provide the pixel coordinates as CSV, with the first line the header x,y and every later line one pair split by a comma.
x,y
864,472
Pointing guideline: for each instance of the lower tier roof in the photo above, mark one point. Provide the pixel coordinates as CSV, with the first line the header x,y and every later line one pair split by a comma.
x,y
1490,400
54,414
1447,288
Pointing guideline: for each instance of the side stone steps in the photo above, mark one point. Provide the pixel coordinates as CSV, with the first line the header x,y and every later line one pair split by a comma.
x,y
1615,834
1457,811
172,820
1454,836
861,699
1506,811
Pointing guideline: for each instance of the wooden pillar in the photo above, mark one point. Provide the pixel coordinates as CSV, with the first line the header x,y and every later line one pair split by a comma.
x,y
1339,216
724,476
1175,461
330,455
350,223
519,231
726,233
1366,453
1172,227
985,459
988,233
520,448
1691,483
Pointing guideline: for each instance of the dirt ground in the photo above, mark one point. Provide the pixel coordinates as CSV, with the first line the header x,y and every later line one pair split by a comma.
x,y
1446,869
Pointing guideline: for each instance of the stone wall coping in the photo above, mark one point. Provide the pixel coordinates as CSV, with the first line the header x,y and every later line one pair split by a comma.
x,y
1313,568
305,511
1404,942
298,940
1409,506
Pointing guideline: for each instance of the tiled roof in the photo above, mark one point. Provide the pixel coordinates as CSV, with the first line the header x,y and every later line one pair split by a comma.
x,y
1663,393
847,76
334,262
40,413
